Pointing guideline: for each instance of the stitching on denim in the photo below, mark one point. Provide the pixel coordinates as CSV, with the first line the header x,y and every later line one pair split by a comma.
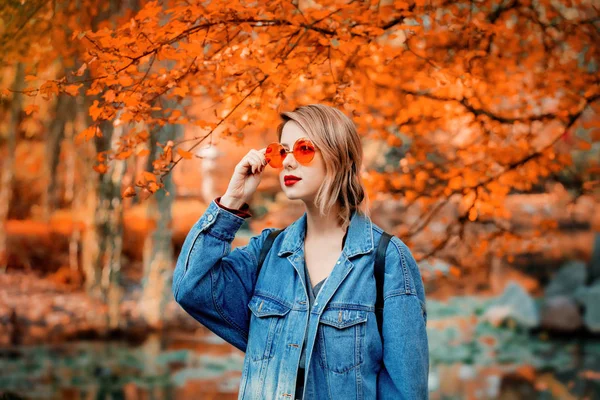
x,y
405,271
252,307
254,260
269,296
358,337
358,334
261,239
359,319
348,306
396,293
220,311
228,213
218,233
422,305
245,379
261,377
187,262
323,360
359,384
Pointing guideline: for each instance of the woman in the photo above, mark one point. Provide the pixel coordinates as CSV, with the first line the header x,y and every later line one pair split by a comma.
x,y
307,323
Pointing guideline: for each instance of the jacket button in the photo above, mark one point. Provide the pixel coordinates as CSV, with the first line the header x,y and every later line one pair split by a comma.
x,y
209,217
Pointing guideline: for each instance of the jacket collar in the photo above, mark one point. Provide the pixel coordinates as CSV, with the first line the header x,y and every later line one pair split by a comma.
x,y
358,241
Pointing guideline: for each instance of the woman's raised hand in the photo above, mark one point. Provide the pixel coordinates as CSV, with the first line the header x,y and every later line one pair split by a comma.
x,y
245,179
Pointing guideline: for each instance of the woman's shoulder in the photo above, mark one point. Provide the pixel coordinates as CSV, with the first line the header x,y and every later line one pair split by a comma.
x,y
401,265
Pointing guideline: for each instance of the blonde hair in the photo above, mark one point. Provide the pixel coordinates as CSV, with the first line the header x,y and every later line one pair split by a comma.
x,y
336,137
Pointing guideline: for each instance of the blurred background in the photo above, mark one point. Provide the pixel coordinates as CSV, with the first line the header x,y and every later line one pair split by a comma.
x,y
121,120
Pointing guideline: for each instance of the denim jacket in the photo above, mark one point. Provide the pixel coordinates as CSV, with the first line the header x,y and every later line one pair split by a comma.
x,y
267,317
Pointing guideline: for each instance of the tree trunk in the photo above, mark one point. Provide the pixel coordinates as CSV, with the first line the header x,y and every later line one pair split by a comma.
x,y
79,155
103,238
103,242
8,171
56,133
158,249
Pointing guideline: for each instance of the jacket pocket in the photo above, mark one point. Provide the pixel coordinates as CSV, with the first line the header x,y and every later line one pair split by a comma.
x,y
342,333
265,324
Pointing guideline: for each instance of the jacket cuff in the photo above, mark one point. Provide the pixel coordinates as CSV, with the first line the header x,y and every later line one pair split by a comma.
x,y
243,212
219,222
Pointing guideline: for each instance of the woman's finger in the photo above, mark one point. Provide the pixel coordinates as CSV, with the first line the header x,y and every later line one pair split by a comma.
x,y
257,160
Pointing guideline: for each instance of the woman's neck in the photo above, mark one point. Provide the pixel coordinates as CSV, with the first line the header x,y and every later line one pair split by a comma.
x,y
318,225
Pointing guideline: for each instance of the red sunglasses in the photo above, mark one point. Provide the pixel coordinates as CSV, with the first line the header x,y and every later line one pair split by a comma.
x,y
304,152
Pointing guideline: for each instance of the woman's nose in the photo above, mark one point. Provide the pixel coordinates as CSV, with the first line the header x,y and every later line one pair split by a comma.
x,y
289,161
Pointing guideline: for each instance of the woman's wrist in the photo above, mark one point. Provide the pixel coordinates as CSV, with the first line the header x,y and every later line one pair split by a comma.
x,y
230,202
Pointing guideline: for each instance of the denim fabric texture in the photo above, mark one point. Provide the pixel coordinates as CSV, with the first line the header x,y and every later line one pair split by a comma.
x,y
312,294
267,317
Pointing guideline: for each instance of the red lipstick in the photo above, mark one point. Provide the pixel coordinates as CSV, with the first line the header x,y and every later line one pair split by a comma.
x,y
290,180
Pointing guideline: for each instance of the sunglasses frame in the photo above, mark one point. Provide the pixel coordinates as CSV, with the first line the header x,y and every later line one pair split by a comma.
x,y
292,150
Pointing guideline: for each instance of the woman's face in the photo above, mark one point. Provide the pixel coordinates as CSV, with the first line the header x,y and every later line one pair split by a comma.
x,y
311,175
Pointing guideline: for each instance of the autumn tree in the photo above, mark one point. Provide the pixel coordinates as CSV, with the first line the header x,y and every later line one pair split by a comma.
x,y
39,35
467,101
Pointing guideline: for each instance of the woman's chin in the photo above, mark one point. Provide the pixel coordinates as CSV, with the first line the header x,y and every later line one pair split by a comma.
x,y
291,193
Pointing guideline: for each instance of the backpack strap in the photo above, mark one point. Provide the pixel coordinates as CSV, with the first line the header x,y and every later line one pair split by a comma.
x,y
379,272
265,249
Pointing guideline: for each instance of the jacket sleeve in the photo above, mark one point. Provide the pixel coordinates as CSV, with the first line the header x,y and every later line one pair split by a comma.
x,y
405,370
214,284
243,212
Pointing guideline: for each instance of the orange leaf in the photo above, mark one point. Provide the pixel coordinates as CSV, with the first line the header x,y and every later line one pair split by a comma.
x,y
30,109
73,90
185,154
109,96
129,192
95,111
143,135
123,155
472,214
125,80
181,91
246,27
149,176
48,89
583,145
101,168
410,195
81,70
30,78
86,134
456,182
143,152
267,66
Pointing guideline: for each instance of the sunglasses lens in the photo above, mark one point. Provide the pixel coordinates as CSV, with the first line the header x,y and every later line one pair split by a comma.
x,y
304,151
274,155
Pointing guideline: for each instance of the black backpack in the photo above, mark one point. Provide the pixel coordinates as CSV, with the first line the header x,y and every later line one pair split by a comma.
x,y
379,268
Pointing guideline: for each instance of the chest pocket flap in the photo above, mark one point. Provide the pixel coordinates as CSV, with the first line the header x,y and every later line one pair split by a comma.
x,y
267,307
343,318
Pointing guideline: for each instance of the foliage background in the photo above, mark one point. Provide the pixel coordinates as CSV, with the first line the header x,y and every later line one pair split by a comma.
x,y
121,120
